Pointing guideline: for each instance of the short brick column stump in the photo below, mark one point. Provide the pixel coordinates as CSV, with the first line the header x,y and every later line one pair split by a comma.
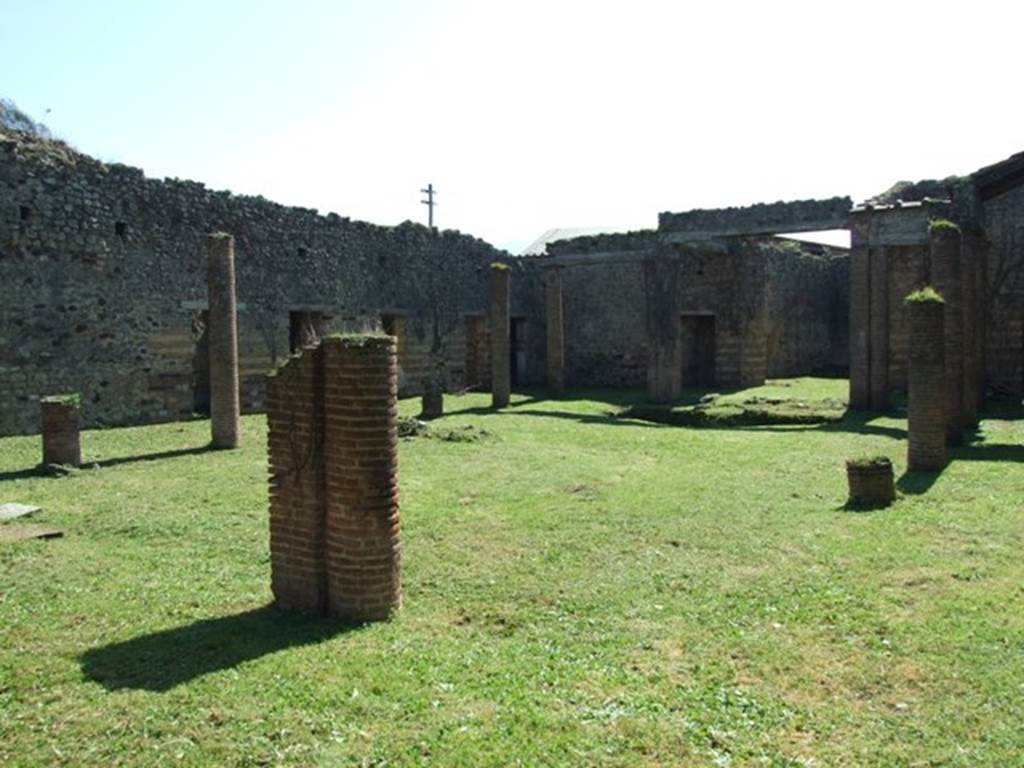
x,y
871,482
927,396
332,414
61,431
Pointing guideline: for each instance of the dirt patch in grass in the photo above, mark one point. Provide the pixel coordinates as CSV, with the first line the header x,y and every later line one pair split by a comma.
x,y
751,411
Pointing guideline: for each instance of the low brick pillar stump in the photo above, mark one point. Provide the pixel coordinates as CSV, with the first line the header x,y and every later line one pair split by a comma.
x,y
61,432
871,482
927,395
332,414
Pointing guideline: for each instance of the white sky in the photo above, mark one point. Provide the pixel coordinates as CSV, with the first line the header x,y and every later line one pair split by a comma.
x,y
528,115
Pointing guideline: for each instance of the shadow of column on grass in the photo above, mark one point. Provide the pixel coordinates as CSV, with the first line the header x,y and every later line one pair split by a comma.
x,y
163,660
44,470
916,483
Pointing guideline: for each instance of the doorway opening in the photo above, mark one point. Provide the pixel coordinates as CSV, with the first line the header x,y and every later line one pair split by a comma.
x,y
697,339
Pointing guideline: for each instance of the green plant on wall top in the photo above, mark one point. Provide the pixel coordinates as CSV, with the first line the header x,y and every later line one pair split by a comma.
x,y
925,295
943,225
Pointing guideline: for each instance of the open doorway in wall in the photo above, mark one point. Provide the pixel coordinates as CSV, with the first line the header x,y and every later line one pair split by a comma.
x,y
305,329
201,363
697,339
517,349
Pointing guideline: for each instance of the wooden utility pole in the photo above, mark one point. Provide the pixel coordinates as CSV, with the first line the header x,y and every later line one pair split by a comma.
x,y
429,202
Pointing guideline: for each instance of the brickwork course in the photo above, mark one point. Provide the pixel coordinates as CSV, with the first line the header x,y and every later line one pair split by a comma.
x,y
225,409
501,361
333,451
927,395
59,416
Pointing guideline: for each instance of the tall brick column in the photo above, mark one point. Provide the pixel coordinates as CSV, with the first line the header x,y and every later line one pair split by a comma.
x,y
334,533
361,437
927,395
971,252
878,375
295,439
860,316
947,275
501,360
664,327
60,427
555,354
223,336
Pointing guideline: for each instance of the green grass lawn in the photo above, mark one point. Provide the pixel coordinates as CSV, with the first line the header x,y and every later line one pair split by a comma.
x,y
579,590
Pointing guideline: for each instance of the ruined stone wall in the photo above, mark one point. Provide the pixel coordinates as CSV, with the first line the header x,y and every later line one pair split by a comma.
x,y
780,307
808,295
1004,354
102,283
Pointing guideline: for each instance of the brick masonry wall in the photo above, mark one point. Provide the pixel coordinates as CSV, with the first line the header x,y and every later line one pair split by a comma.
x,y
61,436
103,276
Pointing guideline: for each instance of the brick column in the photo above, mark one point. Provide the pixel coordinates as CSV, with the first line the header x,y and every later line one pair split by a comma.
x,y
501,361
361,439
663,321
973,327
333,445
860,324
60,427
878,375
947,274
223,335
295,440
927,396
555,354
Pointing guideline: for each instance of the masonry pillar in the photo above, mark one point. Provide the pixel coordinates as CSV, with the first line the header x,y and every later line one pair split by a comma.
x,y
663,321
223,336
927,394
60,428
361,477
860,317
878,374
501,360
555,354
334,524
968,263
947,275
295,441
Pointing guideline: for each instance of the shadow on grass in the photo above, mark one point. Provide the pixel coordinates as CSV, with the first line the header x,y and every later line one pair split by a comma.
x,y
156,456
42,470
916,483
163,660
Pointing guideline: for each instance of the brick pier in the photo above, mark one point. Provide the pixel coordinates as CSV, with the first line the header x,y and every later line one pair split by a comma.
x,y
555,354
501,360
927,396
947,274
334,523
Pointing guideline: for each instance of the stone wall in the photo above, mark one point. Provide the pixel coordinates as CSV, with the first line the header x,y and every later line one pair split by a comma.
x,y
103,290
1004,353
779,308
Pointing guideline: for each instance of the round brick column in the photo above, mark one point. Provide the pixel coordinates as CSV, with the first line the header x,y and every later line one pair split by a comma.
x,y
501,355
223,335
926,444
363,552
61,438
